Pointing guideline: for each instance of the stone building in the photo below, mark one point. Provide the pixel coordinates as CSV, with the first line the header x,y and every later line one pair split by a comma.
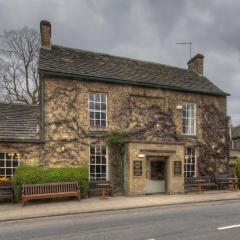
x,y
145,126
235,145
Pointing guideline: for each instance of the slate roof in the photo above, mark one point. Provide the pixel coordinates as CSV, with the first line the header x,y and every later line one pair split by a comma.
x,y
236,132
19,122
97,66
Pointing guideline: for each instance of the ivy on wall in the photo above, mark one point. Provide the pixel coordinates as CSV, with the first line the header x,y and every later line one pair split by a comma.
x,y
214,148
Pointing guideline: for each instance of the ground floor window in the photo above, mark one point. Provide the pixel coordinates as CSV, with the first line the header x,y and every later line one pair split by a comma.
x,y
190,162
98,163
8,163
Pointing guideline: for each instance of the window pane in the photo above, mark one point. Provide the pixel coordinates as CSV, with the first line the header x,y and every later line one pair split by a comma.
x,y
8,163
2,164
2,172
91,97
98,159
8,172
97,97
2,156
103,116
103,106
92,115
104,160
103,123
92,123
15,163
91,105
97,115
103,98
97,106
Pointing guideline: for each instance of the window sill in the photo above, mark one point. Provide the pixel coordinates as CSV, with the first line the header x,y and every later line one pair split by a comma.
x,y
188,136
97,132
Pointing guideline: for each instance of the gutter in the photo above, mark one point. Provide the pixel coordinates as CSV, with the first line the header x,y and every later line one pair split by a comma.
x,y
119,81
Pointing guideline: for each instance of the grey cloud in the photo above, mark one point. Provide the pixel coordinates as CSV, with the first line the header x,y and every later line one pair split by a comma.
x,y
144,29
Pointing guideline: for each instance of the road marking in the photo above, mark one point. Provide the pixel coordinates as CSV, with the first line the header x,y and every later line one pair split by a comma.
x,y
151,239
229,227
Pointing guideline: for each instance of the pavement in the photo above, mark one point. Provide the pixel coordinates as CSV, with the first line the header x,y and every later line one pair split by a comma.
x,y
198,221
39,209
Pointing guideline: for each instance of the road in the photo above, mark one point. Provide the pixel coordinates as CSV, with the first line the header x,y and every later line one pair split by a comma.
x,y
188,222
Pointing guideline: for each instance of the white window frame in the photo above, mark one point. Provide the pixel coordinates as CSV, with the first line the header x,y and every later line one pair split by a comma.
x,y
189,119
98,111
189,162
89,166
11,159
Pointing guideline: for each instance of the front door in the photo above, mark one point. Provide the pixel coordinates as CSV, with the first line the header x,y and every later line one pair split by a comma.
x,y
156,174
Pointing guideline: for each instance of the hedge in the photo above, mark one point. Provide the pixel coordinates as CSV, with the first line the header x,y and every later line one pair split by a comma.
x,y
36,175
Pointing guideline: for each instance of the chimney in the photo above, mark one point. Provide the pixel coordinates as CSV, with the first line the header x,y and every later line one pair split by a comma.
x,y
45,29
195,64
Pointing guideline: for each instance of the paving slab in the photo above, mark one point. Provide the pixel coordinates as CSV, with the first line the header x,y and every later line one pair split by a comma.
x,y
35,209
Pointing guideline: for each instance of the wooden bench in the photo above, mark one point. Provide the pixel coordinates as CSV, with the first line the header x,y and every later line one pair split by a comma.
x,y
6,192
209,182
190,184
221,180
50,190
95,190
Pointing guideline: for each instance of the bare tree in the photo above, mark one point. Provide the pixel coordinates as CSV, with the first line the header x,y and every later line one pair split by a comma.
x,y
19,50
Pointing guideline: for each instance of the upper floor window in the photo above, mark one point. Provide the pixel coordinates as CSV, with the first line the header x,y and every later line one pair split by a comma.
x,y
98,110
8,163
189,118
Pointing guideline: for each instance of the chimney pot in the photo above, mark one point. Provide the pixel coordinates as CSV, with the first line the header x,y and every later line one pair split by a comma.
x,y
45,29
195,64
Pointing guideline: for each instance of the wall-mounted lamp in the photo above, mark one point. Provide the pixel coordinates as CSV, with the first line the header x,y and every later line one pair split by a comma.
x,y
213,146
62,149
179,107
141,155
186,157
157,125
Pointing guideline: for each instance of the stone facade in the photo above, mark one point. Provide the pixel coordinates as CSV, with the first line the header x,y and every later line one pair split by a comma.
x,y
29,153
135,110
150,117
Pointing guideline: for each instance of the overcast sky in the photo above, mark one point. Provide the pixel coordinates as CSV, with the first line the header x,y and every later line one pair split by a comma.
x,y
144,29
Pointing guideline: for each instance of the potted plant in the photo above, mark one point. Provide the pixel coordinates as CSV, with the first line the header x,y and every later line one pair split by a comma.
x,y
5,181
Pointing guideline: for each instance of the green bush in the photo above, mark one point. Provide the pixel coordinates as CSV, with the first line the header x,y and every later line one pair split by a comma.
x,y
36,174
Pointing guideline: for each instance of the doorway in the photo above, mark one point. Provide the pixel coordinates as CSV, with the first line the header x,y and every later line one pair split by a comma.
x,y
156,176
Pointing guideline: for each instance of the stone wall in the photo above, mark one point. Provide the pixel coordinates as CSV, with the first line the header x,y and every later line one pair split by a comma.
x,y
29,153
130,108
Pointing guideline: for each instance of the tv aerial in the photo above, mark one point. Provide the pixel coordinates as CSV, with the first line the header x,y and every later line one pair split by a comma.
x,y
190,47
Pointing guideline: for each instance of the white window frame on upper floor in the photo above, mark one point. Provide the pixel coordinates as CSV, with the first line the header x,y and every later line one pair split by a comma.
x,y
189,117
95,111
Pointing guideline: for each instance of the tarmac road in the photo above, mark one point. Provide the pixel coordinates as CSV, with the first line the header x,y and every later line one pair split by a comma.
x,y
208,221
